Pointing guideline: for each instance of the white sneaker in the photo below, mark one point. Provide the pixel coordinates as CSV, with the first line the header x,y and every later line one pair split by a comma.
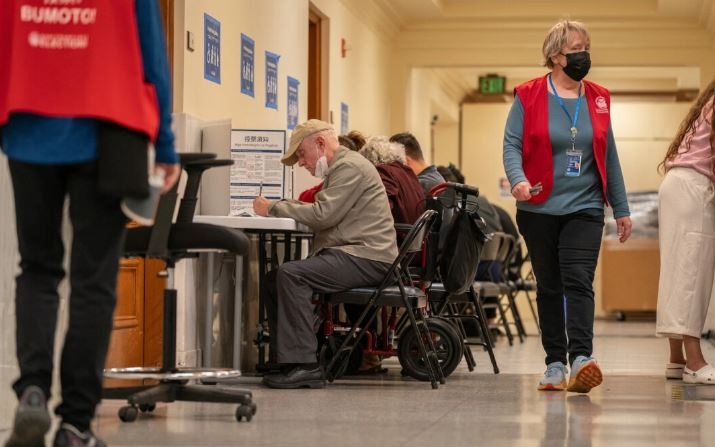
x,y
554,378
585,374
705,375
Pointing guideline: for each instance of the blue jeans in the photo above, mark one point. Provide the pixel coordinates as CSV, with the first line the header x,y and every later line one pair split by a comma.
x,y
564,252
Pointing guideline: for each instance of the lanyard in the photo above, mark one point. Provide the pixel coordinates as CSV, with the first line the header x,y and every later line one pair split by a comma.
x,y
574,131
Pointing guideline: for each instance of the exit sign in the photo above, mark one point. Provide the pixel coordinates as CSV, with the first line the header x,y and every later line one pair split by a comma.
x,y
492,84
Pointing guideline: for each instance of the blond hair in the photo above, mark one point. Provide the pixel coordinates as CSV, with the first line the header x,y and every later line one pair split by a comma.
x,y
557,38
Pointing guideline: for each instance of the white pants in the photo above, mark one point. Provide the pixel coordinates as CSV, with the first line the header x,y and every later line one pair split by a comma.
x,y
686,216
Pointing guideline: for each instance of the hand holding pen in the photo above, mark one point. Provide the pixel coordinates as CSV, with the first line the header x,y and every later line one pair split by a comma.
x,y
260,203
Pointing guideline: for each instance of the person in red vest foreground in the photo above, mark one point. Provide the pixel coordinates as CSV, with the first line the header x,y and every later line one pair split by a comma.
x,y
58,88
354,246
561,160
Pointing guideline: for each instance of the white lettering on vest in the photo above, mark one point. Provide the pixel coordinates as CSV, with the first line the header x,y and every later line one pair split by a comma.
x,y
58,41
62,2
61,16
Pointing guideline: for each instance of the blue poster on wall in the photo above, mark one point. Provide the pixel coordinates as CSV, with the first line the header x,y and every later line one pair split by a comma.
x,y
247,64
212,49
292,107
272,80
343,118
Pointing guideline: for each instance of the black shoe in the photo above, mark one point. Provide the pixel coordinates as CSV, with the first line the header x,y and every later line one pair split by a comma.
x,y
31,420
298,377
270,369
69,436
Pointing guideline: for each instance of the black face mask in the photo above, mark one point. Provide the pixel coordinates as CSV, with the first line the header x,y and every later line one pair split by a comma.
x,y
577,65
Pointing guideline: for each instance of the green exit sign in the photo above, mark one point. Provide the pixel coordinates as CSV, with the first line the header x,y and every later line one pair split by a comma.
x,y
492,84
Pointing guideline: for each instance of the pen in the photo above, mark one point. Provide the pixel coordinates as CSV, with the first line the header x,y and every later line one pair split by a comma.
x,y
260,190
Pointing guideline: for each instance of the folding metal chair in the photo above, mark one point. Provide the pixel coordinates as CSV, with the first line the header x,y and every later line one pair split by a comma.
x,y
415,337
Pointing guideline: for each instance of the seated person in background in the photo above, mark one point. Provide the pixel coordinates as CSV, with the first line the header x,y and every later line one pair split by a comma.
x,y
426,174
486,209
505,223
357,138
407,201
309,194
509,227
346,142
354,245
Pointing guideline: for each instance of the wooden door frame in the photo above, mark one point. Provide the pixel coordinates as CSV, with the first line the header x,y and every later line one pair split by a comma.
x,y
167,18
153,284
318,33
314,65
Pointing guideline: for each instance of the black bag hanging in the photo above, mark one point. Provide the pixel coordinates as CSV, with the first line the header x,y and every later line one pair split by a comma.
x,y
122,161
461,252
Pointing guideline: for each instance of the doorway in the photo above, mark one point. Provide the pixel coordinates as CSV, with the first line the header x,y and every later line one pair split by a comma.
x,y
317,65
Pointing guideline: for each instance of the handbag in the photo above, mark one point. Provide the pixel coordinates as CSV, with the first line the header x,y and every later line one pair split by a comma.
x,y
460,256
122,161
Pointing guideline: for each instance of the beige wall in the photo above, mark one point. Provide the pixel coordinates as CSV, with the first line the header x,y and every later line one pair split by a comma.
x,y
278,26
427,98
281,26
446,143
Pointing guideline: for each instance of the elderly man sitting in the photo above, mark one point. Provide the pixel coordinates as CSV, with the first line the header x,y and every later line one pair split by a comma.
x,y
354,245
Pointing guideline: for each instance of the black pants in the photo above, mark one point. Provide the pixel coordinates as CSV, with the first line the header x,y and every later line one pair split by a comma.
x,y
564,252
98,227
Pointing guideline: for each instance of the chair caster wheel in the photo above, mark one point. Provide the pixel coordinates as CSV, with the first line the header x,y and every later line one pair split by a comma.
x,y
147,408
245,412
128,413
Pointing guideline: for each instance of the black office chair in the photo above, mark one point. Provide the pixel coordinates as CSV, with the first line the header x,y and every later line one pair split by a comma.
x,y
172,242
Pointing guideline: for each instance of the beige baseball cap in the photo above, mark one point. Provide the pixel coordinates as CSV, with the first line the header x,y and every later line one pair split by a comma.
x,y
300,132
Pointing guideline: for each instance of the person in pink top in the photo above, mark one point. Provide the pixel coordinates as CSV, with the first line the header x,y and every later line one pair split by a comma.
x,y
687,242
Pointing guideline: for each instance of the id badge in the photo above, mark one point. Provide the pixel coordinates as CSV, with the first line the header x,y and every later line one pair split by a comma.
x,y
573,163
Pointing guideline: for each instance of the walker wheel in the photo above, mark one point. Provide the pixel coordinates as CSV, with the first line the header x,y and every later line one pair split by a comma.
x,y
448,346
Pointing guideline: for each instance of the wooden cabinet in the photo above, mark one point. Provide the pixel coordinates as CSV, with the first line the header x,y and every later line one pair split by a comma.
x,y
629,275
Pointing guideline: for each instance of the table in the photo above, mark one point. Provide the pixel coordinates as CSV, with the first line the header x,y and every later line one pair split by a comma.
x,y
277,231
257,223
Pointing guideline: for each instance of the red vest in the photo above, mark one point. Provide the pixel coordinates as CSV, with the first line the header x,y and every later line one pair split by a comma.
x,y
75,59
537,153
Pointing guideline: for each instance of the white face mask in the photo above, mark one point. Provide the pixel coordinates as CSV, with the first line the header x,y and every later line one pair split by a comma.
x,y
321,166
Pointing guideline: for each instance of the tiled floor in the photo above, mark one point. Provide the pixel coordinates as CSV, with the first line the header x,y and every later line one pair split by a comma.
x,y
635,406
